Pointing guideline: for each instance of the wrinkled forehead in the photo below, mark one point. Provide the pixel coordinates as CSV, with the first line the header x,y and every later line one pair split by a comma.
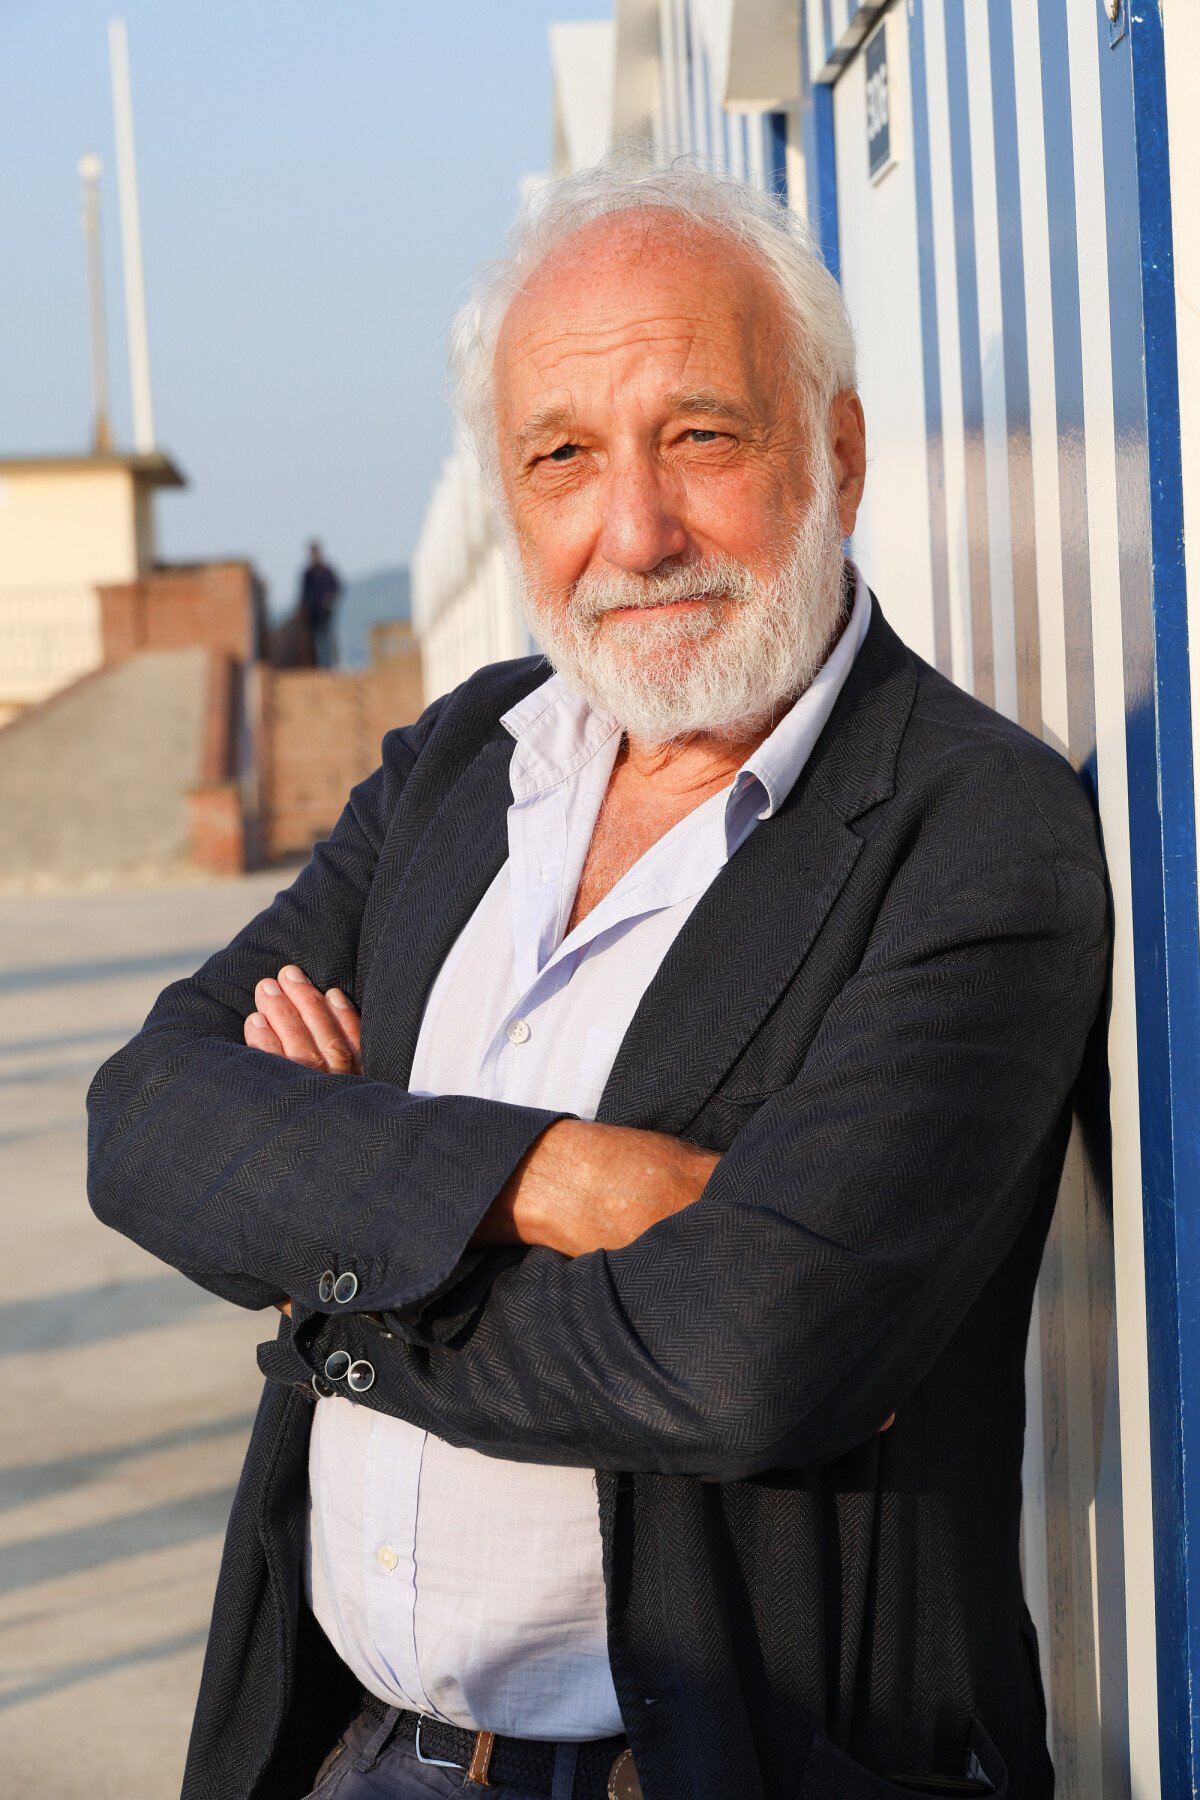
x,y
640,290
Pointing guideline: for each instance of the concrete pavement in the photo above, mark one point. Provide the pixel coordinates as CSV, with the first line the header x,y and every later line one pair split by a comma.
x,y
126,1393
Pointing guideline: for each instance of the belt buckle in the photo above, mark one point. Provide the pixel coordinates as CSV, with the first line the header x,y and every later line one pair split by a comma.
x,y
433,1762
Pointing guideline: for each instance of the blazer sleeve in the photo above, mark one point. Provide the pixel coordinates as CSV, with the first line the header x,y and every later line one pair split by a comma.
x,y
252,1175
839,1242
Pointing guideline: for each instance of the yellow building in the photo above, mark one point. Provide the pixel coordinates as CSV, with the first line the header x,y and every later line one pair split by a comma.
x,y
68,524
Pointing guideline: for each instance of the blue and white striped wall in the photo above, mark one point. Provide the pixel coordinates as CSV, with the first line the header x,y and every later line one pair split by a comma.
x,y
1011,278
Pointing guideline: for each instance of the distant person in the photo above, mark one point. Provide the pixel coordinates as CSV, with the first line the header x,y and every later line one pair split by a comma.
x,y
320,591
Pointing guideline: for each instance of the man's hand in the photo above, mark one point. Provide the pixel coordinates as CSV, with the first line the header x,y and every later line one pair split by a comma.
x,y
296,1020
585,1187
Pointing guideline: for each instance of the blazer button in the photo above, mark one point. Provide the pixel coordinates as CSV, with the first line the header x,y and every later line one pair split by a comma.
x,y
360,1376
345,1288
321,1387
325,1287
336,1364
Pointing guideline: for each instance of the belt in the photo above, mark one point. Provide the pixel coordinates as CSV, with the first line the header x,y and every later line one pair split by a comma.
x,y
603,1771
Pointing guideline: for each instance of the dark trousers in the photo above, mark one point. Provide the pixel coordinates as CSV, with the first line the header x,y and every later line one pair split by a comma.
x,y
324,641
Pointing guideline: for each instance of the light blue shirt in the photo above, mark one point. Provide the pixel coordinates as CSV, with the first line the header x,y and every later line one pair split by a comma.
x,y
453,1583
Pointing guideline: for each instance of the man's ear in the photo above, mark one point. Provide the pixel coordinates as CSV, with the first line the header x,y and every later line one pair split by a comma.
x,y
848,454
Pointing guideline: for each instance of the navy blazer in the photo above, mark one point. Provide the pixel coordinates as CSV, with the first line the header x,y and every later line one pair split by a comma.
x,y
877,1012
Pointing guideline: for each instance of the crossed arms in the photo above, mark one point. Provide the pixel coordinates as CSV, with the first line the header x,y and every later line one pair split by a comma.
x,y
580,1187
771,1320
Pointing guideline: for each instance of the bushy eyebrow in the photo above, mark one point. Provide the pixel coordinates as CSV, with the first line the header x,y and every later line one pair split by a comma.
x,y
547,421
709,404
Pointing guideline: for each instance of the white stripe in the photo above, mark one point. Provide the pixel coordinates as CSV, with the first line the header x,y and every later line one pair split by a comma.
x,y
839,13
1035,242
991,351
756,169
816,38
1100,438
1043,415
1181,24
961,664
669,55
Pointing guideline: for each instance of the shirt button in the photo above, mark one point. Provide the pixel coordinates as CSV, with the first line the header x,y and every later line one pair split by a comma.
x,y
386,1557
519,1032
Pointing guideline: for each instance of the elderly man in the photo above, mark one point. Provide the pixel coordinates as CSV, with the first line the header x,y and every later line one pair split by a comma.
x,y
657,1261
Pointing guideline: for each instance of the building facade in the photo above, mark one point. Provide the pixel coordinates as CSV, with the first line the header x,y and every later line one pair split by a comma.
x,y
1000,187
68,524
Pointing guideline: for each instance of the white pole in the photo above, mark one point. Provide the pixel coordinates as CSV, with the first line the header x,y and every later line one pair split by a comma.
x,y
89,169
131,239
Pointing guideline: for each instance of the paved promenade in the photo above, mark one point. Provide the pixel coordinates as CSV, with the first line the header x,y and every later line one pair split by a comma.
x,y
126,1393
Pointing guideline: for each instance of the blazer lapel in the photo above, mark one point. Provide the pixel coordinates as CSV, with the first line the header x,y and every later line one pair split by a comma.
x,y
752,929
741,945
459,854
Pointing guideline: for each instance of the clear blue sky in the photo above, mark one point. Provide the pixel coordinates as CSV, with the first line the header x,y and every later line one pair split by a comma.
x,y
318,180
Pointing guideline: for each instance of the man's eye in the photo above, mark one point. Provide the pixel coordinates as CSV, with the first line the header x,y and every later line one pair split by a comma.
x,y
699,436
564,453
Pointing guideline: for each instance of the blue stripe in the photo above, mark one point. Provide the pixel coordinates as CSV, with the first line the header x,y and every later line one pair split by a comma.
x,y
935,453
1162,841
816,125
974,454
776,154
1016,366
827,26
1068,382
826,180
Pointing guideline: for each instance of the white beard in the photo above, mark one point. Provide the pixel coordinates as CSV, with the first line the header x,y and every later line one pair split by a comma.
x,y
724,669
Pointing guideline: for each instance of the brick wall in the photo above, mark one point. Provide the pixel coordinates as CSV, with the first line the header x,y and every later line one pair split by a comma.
x,y
319,734
218,605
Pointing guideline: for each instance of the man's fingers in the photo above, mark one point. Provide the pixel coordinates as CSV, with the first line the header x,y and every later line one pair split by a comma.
x,y
349,1023
283,1017
890,1420
322,1021
258,1034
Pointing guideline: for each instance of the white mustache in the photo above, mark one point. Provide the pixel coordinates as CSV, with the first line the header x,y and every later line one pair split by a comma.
x,y
722,578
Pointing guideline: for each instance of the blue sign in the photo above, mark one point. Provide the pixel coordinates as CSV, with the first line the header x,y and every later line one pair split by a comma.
x,y
879,136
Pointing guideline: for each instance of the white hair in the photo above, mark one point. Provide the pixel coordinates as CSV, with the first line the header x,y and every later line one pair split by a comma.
x,y
821,349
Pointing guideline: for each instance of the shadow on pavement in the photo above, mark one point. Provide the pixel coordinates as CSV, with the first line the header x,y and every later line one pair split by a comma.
x,y
23,1482
166,962
161,1527
85,1316
102,1665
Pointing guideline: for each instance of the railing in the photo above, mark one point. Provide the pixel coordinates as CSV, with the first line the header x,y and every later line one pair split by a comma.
x,y
49,637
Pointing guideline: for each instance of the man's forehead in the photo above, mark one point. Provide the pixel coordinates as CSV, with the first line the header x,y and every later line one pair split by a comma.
x,y
638,290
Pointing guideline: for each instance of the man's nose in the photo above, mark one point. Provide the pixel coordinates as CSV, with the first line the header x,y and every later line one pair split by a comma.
x,y
642,521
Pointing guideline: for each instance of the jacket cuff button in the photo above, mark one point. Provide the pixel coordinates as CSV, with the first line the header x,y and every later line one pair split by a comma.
x,y
345,1288
326,1286
360,1376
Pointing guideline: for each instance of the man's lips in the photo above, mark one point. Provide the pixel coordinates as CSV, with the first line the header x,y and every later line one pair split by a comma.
x,y
660,608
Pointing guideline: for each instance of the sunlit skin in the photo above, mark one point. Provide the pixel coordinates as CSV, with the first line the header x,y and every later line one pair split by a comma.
x,y
645,417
